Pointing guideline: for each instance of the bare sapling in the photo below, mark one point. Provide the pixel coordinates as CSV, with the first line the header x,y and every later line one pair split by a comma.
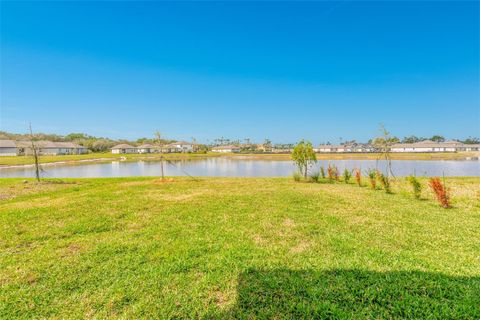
x,y
35,155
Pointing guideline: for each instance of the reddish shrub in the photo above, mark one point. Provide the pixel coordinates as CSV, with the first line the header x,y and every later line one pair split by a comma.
x,y
358,176
440,192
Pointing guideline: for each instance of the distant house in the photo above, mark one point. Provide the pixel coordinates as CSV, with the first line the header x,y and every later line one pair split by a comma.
x,y
428,146
8,148
329,148
179,146
49,148
226,149
123,148
70,148
146,148
471,147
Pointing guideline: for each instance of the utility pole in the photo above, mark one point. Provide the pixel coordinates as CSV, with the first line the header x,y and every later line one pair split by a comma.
x,y
35,155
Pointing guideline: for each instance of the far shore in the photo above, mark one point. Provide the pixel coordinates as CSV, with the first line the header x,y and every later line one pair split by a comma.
x,y
26,161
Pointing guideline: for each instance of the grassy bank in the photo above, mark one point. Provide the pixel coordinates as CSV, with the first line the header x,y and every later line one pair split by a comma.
x,y
28,160
236,248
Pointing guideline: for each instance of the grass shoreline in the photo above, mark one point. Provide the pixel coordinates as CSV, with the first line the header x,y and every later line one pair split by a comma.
x,y
18,161
230,248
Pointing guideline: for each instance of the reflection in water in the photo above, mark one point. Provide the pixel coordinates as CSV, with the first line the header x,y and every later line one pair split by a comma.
x,y
227,167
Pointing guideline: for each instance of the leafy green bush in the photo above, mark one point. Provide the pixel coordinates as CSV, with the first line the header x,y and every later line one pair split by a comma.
x,y
416,186
346,175
385,181
315,176
297,176
372,178
322,172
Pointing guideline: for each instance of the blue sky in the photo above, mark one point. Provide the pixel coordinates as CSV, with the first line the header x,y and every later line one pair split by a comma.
x,y
278,70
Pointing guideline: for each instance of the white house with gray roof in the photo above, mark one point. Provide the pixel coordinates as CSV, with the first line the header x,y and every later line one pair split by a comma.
x,y
20,148
8,148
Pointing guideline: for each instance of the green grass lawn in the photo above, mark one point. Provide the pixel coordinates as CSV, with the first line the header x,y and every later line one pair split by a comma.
x,y
250,248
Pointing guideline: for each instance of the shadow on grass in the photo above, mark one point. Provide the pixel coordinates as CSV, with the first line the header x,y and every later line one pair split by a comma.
x,y
354,294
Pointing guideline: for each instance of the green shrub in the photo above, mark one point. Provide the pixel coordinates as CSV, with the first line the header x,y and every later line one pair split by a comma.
x,y
346,175
297,176
372,178
315,176
385,181
322,172
416,186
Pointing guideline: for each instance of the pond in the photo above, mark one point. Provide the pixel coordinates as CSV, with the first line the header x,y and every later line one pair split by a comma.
x,y
227,167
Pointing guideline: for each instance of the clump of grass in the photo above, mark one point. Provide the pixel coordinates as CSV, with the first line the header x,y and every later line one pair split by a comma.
x,y
346,175
322,172
416,186
358,176
372,178
440,191
297,176
384,180
315,176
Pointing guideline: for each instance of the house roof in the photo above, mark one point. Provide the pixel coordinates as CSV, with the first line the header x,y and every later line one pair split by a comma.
x,y
123,146
69,145
146,146
7,144
48,144
39,144
181,142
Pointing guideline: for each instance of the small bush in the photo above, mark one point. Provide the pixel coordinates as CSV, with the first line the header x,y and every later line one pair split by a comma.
x,y
440,192
297,176
385,181
314,177
358,176
416,186
346,175
372,178
322,172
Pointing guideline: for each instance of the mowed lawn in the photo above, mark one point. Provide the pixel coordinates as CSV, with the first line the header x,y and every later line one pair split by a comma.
x,y
249,248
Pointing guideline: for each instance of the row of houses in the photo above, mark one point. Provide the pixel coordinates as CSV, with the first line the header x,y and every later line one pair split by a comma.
x,y
15,148
179,146
421,146
19,148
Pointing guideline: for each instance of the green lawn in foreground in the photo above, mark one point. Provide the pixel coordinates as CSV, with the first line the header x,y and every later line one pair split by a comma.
x,y
236,248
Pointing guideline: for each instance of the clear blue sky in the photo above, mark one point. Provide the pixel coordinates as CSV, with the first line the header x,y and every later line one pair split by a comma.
x,y
278,70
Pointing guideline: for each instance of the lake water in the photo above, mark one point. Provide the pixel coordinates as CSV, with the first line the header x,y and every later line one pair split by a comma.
x,y
227,167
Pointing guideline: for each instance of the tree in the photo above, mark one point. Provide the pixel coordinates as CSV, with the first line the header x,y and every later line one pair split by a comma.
x,y
383,144
35,155
437,138
472,140
304,156
158,141
412,139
